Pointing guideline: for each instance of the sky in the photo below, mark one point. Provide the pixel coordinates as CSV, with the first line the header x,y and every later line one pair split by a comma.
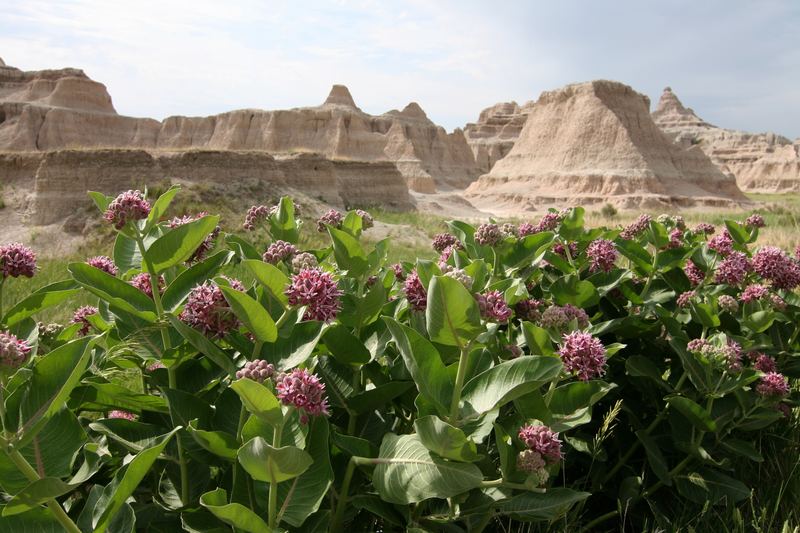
x,y
735,62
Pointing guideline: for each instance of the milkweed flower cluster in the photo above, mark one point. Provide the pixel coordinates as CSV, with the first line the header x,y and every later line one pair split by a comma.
x,y
17,260
774,265
366,219
415,292
462,277
675,238
561,250
303,261
129,206
755,221
279,251
255,215
685,298
693,272
733,269
636,228
529,309
728,303
548,222
142,282
773,386
559,317
763,362
332,218
399,275
510,230
318,291
445,256
303,390
442,241
602,255
704,228
208,243
80,317
722,243
119,413
493,306
583,355
753,293
257,370
726,357
14,352
542,440
532,463
106,264
488,234
207,310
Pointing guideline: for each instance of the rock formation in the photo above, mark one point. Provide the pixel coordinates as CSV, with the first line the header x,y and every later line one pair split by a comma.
x,y
595,142
497,129
760,162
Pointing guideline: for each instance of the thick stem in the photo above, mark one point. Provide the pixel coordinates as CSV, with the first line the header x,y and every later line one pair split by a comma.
x,y
462,372
28,471
273,484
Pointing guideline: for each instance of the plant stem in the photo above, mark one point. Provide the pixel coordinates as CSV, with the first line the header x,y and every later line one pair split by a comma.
x,y
2,282
173,382
273,484
672,473
242,419
336,523
26,469
600,519
460,376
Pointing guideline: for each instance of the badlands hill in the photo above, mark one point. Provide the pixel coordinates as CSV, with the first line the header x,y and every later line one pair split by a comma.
x,y
761,162
497,129
595,142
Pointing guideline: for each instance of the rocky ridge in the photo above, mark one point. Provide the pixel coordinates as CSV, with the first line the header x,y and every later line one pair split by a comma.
x,y
495,132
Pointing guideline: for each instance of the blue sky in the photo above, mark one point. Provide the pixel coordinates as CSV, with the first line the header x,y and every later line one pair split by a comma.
x,y
737,63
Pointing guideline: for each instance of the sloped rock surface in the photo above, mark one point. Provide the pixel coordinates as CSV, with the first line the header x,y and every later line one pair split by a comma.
x,y
495,132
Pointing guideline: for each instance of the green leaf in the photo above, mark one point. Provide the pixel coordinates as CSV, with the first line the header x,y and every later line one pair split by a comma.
x,y
251,313
452,314
641,366
571,290
203,344
424,364
378,397
193,276
710,486
271,278
445,440
288,352
303,496
636,254
126,253
125,482
738,233
507,381
108,396
178,244
348,252
549,505
132,435
100,200
282,225
568,398
36,493
537,339
259,400
408,472
113,290
572,224
38,520
704,314
266,463
36,302
219,443
160,207
54,376
742,448
698,416
654,457
345,346
235,514
528,248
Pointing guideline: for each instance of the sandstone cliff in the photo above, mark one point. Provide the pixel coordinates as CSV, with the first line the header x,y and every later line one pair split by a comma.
x,y
760,162
495,132
595,142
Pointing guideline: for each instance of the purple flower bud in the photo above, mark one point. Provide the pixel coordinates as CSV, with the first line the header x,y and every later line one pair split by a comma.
x,y
279,251
685,298
543,441
763,362
366,219
722,243
558,317
399,275
303,261
304,391
493,306
753,293
80,317
510,230
773,264
549,222
488,235
142,282
255,215
675,238
636,228
332,218
602,255
693,272
704,228
317,290
583,355
755,221
17,260
257,370
416,294
119,413
728,303
733,269
529,310
445,240
207,310
129,206
461,276
14,352
773,386
106,264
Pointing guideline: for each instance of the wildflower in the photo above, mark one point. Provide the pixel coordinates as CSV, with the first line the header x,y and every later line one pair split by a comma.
x,y
464,278
446,254
686,297
549,222
17,260
773,264
531,462
733,269
155,366
513,350
279,251
255,214
304,391
529,310
303,261
704,228
693,272
559,317
106,264
696,345
755,221
332,218
561,250
773,385
777,302
542,440
525,229
208,243
366,219
493,306
602,255
444,240
510,230
399,275
488,235
763,362
257,370
142,282
636,228
675,238
728,303
14,352
207,310
80,317
754,292
727,357
416,294
722,243
129,206
583,355
318,290
119,413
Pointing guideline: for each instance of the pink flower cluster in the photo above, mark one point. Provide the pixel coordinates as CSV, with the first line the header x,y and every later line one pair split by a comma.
x,y
529,309
461,276
728,356
304,260
255,214
583,355
106,264
208,243
733,269
129,206
686,298
399,275
279,251
549,222
257,370
543,441
728,303
80,317
753,293
558,317
332,218
207,310
693,272
416,294
636,228
119,413
493,306
675,238
366,219
488,234
318,291
705,228
763,362
442,241
602,255
142,282
13,351
773,385
773,264
17,260
722,243
304,391
755,221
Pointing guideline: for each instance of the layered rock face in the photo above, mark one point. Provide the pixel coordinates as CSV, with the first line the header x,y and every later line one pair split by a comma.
x,y
497,129
760,162
595,142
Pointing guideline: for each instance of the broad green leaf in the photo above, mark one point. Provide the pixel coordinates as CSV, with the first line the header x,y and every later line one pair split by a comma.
x,y
346,347
126,253
265,463
203,344
445,440
178,244
654,457
160,207
698,416
379,397
704,314
219,443
738,233
251,313
408,472
36,493
282,225
424,364
36,302
271,278
528,248
182,285
113,290
571,290
572,224
235,514
38,520
108,396
452,314
259,400
537,339
100,200
549,505
568,398
132,435
507,381
705,486
289,352
348,252
743,448
636,253
641,366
